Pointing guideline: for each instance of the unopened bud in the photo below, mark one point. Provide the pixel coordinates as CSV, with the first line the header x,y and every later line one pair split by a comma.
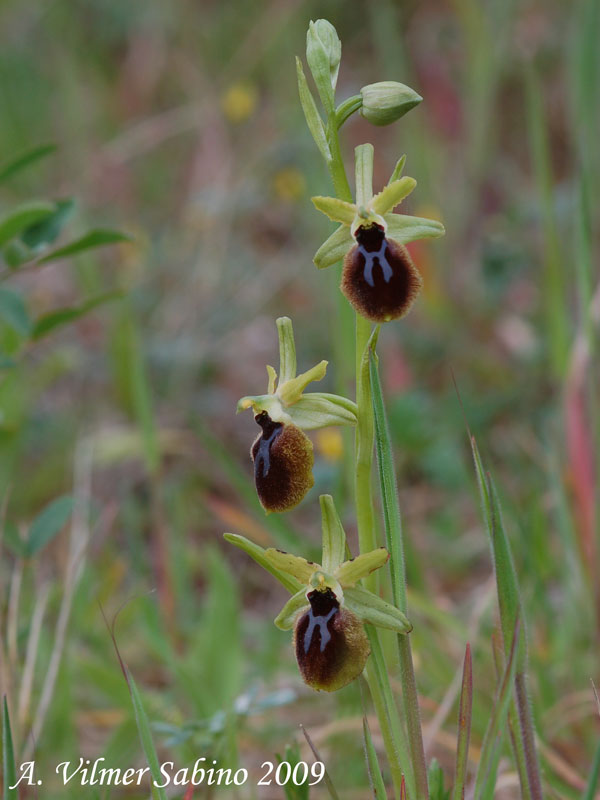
x,y
387,101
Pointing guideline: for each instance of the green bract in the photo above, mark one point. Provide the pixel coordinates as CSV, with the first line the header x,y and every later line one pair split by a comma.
x,y
285,400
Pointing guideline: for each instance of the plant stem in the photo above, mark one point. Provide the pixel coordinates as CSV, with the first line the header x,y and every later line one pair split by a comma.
x,y
364,462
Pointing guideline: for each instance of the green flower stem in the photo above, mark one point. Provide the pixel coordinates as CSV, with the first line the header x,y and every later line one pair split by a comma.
x,y
365,434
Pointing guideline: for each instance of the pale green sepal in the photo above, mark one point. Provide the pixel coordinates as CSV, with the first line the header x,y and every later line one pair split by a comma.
x,y
363,173
290,392
313,118
272,379
403,228
334,537
287,616
371,608
357,568
337,210
296,566
323,53
319,409
334,248
256,552
392,194
287,349
398,169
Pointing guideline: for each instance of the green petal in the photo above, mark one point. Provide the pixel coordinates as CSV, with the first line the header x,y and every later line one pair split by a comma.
x,y
286,617
296,566
334,248
392,194
272,379
406,229
397,173
352,571
290,391
334,537
287,349
336,210
370,608
258,553
319,410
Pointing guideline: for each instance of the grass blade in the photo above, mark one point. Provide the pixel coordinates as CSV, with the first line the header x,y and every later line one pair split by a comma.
x,y
9,770
374,770
464,727
509,602
327,778
393,537
486,771
590,789
143,727
24,160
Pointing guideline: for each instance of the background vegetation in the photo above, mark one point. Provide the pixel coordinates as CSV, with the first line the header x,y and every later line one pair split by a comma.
x,y
179,124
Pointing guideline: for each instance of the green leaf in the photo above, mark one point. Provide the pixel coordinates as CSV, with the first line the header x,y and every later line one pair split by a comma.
x,y
435,776
47,230
143,727
334,536
48,523
373,768
63,316
14,253
389,489
21,218
323,54
311,114
9,770
96,238
14,312
25,160
334,248
464,728
404,228
509,600
486,770
286,617
256,552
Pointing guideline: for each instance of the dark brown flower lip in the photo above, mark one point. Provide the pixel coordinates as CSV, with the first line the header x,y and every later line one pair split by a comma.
x,y
323,607
379,278
283,461
271,430
372,245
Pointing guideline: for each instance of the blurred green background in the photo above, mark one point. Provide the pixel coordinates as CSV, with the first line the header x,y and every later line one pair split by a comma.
x,y
179,123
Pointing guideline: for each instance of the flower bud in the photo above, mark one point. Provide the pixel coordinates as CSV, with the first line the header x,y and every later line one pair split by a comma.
x,y
387,101
283,460
330,643
323,53
379,278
